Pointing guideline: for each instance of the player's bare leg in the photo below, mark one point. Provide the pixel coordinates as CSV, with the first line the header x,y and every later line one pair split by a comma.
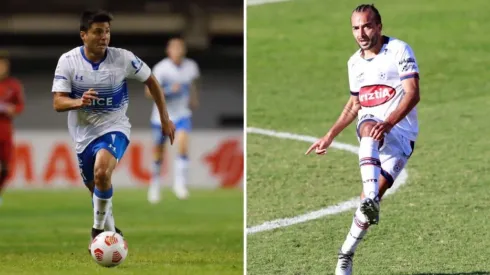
x,y
155,184
181,165
105,163
357,231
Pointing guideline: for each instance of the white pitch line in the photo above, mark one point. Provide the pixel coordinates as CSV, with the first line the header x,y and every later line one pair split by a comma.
x,y
330,210
262,2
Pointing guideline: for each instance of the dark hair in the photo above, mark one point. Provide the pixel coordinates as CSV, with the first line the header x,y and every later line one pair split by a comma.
x,y
90,17
366,7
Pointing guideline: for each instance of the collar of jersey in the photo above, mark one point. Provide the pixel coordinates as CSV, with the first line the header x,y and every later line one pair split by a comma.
x,y
386,39
95,65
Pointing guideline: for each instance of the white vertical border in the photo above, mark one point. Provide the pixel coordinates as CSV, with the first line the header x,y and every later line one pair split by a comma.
x,y
245,137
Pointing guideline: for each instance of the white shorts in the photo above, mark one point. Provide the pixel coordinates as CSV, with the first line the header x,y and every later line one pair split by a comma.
x,y
394,152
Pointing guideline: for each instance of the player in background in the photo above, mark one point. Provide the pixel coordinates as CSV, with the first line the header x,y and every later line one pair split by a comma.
x,y
178,75
11,105
384,87
90,83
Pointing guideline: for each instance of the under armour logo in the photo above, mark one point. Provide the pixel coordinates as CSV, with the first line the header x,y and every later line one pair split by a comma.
x,y
112,147
79,78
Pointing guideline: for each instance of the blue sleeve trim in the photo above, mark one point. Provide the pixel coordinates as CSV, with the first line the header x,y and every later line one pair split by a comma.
x,y
412,75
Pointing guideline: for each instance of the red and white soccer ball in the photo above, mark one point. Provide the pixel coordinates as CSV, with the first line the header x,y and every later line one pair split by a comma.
x,y
109,249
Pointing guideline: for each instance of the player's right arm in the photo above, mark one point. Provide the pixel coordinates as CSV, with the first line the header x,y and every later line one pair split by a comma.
x,y
348,115
62,101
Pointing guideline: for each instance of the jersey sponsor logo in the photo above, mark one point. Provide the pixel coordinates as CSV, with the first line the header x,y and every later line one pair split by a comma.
x,y
102,101
408,64
375,95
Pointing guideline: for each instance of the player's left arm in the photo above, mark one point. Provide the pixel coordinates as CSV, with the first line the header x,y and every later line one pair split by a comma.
x,y
409,76
137,69
195,85
408,102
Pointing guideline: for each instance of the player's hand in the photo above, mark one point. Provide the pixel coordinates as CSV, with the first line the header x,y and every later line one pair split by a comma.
x,y
168,130
379,130
321,145
87,97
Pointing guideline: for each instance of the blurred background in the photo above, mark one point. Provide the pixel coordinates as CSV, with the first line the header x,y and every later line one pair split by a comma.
x,y
36,33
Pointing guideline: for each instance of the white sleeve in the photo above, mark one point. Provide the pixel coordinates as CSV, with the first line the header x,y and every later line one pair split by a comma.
x,y
353,83
407,63
62,76
196,71
135,67
158,73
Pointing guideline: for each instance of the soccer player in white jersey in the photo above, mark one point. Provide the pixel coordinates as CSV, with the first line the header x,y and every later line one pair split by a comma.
x,y
384,87
90,83
178,75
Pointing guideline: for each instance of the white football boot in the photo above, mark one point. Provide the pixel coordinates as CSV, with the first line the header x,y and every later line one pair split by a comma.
x,y
180,191
154,193
344,264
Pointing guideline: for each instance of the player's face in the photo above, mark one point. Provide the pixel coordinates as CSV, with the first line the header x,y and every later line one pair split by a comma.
x,y
365,30
97,37
176,49
4,67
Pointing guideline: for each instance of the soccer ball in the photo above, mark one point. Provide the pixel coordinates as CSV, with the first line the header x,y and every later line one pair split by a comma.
x,y
109,249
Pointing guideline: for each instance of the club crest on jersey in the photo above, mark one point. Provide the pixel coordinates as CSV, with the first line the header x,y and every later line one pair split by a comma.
x,y
136,63
375,95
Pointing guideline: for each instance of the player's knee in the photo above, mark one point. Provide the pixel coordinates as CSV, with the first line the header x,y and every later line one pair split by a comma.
x,y
366,127
102,176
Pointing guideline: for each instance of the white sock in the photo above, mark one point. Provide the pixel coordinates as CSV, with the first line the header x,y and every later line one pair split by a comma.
x,y
102,202
110,224
370,166
181,167
357,231
156,170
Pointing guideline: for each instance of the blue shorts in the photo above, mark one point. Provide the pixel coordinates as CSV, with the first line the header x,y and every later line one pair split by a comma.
x,y
114,142
184,124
